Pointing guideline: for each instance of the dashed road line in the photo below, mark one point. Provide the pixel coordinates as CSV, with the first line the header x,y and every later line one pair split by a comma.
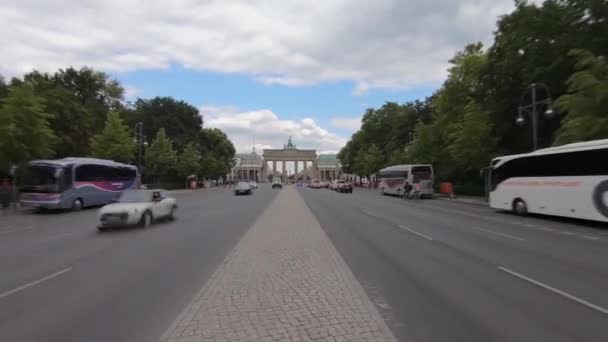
x,y
416,233
369,213
36,282
554,290
57,236
589,237
500,234
16,230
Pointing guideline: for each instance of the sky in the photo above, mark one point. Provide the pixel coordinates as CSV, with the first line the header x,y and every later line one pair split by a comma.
x,y
261,70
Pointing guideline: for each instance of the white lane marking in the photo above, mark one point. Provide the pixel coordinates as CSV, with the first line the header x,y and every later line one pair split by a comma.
x,y
36,282
500,234
566,233
369,213
16,230
547,229
554,290
415,232
54,237
590,237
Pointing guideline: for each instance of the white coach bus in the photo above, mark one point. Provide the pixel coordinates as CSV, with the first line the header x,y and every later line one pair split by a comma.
x,y
392,179
569,180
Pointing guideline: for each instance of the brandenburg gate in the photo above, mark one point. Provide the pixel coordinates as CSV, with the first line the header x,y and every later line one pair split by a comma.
x,y
289,153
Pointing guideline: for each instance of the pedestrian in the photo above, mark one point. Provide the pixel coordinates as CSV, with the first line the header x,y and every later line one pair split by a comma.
x,y
407,188
417,190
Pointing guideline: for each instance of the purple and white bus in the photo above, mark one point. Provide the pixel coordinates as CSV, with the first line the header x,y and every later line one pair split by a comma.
x,y
74,183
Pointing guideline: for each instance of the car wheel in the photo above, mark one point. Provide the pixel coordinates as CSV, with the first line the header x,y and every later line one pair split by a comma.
x,y
146,219
102,229
77,205
171,216
519,207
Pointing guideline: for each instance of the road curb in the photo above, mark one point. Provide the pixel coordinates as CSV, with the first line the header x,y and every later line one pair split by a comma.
x,y
463,200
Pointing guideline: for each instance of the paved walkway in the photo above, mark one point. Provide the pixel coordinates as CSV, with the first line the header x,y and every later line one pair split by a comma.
x,y
284,281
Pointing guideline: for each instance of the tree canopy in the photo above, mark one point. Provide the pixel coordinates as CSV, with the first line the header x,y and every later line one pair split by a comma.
x,y
24,131
161,158
181,121
471,117
115,142
82,112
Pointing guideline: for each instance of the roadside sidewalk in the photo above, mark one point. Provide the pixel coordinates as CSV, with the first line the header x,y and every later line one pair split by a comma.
x,y
465,199
284,281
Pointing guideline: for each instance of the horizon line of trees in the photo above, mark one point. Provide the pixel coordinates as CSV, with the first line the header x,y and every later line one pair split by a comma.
x,y
83,113
472,117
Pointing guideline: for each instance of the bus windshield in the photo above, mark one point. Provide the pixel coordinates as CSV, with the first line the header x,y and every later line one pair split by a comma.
x,y
41,178
422,172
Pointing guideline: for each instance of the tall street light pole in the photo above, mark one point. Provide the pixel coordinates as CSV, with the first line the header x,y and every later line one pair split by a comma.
x,y
141,141
532,109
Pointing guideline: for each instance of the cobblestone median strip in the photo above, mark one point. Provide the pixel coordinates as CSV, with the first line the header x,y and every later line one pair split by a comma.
x,y
284,281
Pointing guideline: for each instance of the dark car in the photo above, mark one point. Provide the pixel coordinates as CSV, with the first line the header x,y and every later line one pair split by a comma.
x,y
343,186
276,183
243,188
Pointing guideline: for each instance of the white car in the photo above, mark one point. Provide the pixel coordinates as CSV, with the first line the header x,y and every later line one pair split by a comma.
x,y
135,207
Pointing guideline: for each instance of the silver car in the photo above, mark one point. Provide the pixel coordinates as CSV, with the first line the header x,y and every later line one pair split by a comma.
x,y
137,207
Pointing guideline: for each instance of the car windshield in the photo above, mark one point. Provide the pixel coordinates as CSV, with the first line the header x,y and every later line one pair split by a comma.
x,y
242,185
135,197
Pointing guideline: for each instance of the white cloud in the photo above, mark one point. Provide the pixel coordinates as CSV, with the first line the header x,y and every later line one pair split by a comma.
x,y
376,44
131,92
268,130
348,123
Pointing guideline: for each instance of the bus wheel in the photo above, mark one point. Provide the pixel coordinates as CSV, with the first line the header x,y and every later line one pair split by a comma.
x,y
600,198
520,207
77,205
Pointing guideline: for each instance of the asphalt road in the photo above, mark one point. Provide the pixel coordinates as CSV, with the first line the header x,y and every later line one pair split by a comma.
x,y
436,270
445,271
61,280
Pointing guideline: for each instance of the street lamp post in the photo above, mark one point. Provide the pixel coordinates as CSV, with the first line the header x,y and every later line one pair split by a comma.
x,y
531,109
141,141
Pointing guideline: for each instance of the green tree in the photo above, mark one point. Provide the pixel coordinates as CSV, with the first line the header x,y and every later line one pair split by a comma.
x,y
370,161
181,121
114,142
471,143
161,159
24,127
79,101
188,161
217,151
4,89
586,103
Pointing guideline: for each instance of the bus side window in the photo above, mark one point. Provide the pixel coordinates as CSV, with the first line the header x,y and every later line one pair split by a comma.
x,y
67,177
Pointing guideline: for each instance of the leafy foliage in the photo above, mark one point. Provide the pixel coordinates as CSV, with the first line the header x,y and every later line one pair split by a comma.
x,y
188,161
471,118
586,103
114,142
180,120
160,157
24,128
79,101
81,112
